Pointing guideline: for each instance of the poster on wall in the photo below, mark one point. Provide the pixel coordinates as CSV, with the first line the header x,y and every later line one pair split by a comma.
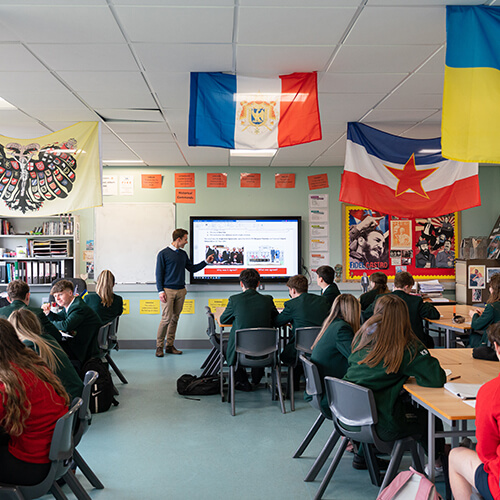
x,y
374,241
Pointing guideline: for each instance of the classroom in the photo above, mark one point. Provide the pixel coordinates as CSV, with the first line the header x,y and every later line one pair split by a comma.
x,y
127,65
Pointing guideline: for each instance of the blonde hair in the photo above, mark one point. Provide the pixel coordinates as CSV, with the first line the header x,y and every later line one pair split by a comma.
x,y
387,334
346,307
104,287
28,327
15,358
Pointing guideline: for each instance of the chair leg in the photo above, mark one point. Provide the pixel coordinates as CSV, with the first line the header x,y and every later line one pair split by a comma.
x,y
322,457
309,436
57,491
291,388
415,455
231,383
116,369
280,390
372,464
392,470
332,468
75,486
87,471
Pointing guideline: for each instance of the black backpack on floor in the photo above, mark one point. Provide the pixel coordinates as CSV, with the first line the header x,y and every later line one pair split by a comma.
x,y
189,385
102,394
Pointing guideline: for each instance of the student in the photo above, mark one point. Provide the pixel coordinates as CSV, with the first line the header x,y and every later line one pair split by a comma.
x,y
18,293
481,468
248,309
304,309
332,346
417,308
325,280
78,320
104,302
171,265
378,286
481,319
32,399
29,331
385,353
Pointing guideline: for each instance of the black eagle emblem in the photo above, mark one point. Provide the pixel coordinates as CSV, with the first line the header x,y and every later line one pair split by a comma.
x,y
31,175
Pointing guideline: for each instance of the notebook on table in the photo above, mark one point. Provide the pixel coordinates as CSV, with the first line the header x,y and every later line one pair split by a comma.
x,y
463,391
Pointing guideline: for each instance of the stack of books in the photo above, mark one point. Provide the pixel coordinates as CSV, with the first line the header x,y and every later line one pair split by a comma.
x,y
431,289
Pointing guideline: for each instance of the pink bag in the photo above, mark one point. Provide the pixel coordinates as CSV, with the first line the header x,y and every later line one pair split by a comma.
x,y
410,485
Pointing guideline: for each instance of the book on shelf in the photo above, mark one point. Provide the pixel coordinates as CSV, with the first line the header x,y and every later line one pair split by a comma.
x,y
35,272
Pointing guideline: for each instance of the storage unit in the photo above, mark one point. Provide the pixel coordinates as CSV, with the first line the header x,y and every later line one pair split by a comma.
x,y
463,291
39,249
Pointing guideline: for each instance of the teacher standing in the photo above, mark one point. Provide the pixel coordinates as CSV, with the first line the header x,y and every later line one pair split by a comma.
x,y
171,263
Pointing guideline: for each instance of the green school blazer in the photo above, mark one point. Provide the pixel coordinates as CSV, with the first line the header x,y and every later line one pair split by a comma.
x,y
249,309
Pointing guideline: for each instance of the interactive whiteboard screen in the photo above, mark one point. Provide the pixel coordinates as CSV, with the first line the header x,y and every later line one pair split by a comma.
x,y
128,236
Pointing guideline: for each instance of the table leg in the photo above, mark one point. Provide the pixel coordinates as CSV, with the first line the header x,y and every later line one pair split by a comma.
x,y
431,445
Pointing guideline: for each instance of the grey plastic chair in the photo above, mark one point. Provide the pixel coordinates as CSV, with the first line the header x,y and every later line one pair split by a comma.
x,y
304,339
257,347
112,343
84,420
355,416
211,365
60,454
315,390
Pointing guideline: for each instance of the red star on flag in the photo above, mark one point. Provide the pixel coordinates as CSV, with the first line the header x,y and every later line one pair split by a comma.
x,y
410,179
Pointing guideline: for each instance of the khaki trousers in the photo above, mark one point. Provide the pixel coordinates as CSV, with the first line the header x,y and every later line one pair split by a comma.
x,y
170,312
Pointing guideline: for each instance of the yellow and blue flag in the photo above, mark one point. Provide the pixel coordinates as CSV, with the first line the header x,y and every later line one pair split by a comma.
x,y
471,98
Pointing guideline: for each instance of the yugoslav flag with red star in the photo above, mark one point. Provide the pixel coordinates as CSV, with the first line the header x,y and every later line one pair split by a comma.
x,y
405,177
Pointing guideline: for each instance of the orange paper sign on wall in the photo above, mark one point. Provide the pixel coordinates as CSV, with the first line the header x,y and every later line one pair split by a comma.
x,y
151,181
284,181
184,180
216,180
185,196
319,181
250,180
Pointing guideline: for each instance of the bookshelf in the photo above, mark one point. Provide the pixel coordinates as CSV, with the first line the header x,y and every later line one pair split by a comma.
x,y
39,249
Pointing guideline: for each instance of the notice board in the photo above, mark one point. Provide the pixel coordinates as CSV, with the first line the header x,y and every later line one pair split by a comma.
x,y
128,236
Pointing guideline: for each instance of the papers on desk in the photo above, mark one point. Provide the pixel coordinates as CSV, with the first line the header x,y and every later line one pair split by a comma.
x,y
431,286
463,391
439,299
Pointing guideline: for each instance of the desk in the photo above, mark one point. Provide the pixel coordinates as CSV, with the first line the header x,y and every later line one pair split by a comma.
x,y
442,404
445,322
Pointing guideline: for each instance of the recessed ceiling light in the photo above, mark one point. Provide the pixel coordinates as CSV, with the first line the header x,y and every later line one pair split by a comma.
x,y
253,152
6,105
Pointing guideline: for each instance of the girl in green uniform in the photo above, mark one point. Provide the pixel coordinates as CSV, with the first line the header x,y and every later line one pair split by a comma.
x,y
378,286
385,353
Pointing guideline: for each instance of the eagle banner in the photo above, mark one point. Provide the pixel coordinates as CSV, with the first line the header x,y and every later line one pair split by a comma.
x,y
237,112
405,177
52,174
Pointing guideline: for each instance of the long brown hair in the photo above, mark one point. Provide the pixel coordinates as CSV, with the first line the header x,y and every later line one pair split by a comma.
x,y
346,307
387,334
495,287
379,281
28,327
16,405
104,287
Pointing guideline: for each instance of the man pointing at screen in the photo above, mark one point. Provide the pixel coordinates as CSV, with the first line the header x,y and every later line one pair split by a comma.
x,y
171,264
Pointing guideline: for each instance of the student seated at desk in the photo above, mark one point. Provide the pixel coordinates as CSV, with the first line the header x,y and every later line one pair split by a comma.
x,y
18,293
104,302
248,309
77,319
378,286
481,468
29,331
32,399
417,308
385,352
481,319
304,309
329,289
332,346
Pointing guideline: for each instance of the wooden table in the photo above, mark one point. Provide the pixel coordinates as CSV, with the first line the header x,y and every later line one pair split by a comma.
x,y
442,404
445,322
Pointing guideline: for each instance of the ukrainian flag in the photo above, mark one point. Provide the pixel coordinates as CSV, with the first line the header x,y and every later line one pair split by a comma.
x,y
471,98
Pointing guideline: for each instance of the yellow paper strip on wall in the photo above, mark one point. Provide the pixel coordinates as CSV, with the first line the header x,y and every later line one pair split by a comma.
x,y
149,306
188,307
213,303
280,303
126,306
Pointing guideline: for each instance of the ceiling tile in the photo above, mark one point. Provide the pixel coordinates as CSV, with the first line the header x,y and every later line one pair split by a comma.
x,y
402,99
172,89
399,115
359,83
18,58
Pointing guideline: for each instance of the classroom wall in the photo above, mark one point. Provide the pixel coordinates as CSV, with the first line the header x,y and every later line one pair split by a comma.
x,y
234,200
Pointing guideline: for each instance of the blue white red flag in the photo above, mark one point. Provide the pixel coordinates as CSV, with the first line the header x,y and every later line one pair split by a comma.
x,y
405,177
234,112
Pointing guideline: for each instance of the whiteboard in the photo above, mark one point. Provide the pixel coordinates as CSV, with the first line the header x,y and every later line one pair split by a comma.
x,y
128,236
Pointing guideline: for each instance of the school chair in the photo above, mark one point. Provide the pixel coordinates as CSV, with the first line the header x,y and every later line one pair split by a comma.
x,y
60,454
257,347
112,343
355,415
211,365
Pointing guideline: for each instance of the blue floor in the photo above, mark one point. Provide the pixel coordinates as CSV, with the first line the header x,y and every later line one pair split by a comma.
x,y
159,445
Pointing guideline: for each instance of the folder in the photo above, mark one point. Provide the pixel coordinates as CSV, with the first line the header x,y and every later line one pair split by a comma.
x,y
463,391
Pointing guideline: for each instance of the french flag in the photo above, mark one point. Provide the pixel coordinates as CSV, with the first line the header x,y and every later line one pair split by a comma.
x,y
234,112
405,177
